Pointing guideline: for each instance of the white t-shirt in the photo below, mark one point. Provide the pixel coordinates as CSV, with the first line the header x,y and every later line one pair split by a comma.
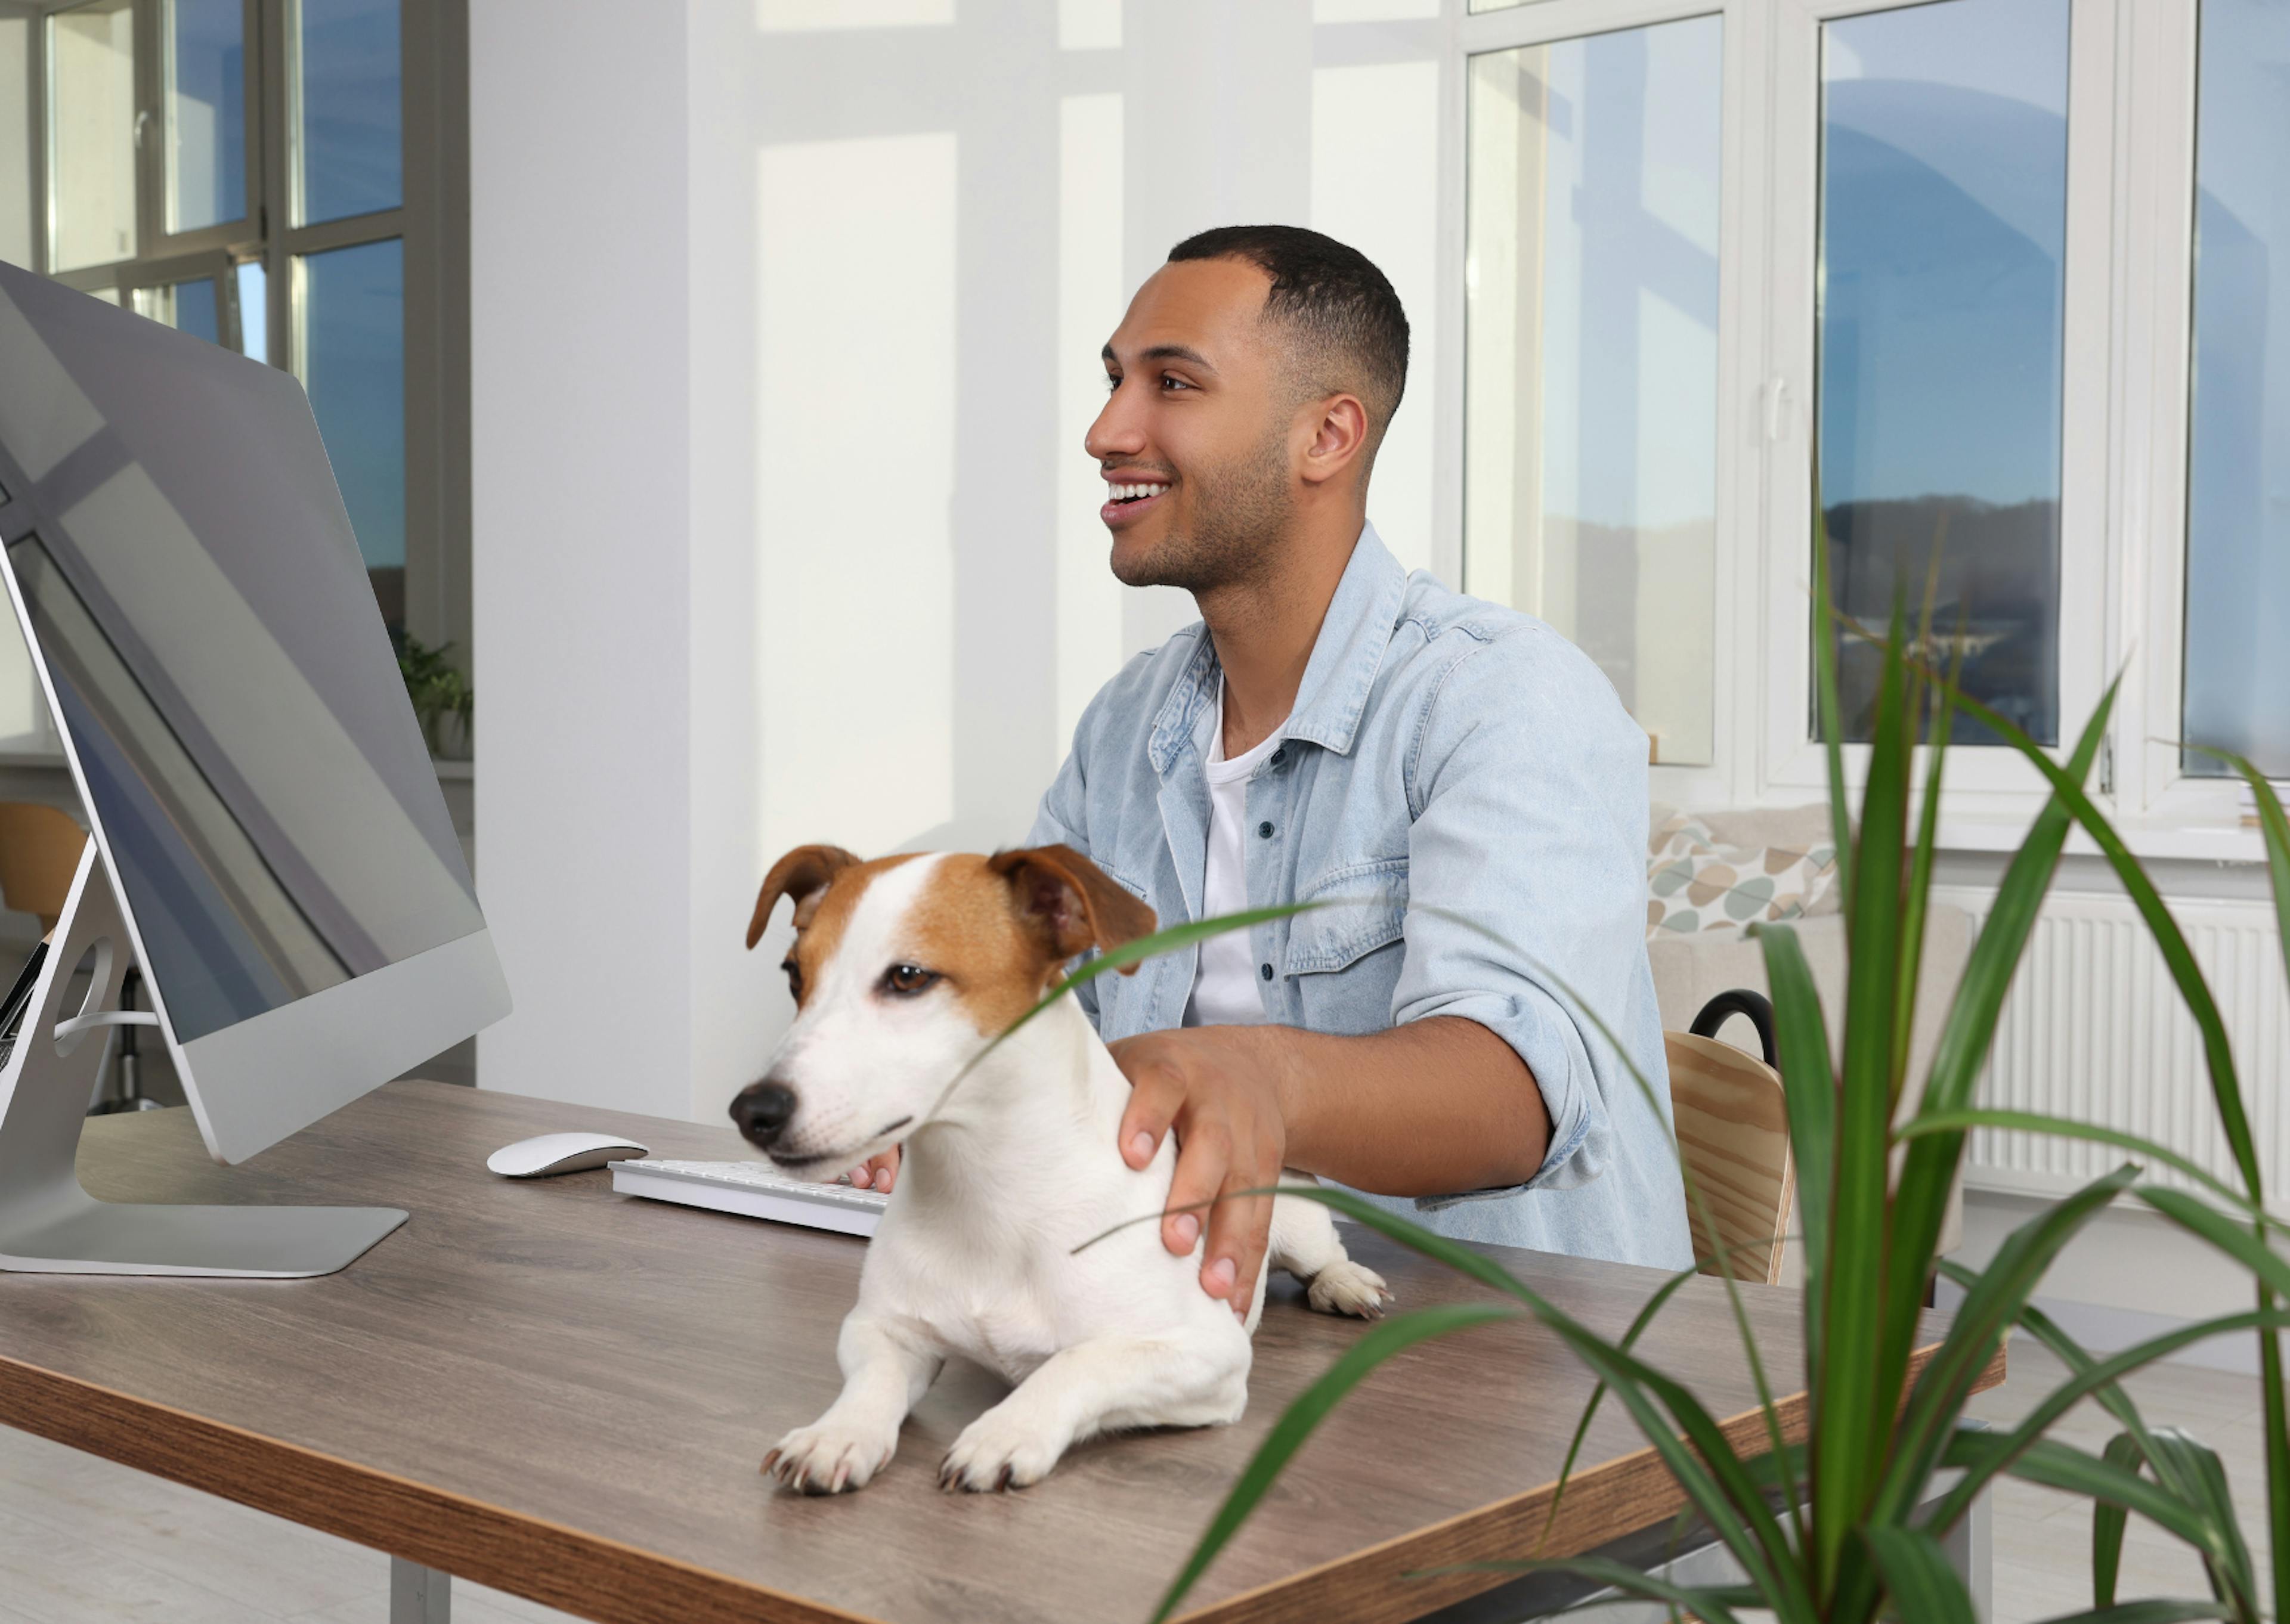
x,y
1225,987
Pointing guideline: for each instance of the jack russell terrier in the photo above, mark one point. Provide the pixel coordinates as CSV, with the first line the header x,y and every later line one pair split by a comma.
x,y
903,970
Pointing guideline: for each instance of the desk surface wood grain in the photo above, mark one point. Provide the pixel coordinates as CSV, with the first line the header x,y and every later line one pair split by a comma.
x,y
566,1394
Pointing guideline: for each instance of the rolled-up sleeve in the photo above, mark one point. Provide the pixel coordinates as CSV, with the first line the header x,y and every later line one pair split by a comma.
x,y
1526,879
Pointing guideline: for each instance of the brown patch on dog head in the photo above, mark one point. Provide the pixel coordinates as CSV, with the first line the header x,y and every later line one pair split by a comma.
x,y
802,874
823,913
996,928
1068,903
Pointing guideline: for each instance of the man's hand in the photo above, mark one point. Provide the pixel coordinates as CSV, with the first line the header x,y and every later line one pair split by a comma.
x,y
877,1173
1217,1087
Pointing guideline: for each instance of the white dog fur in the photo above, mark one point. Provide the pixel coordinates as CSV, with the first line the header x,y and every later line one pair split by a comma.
x,y
907,967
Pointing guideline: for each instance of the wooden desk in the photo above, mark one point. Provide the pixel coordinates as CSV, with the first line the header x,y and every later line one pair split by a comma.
x,y
566,1394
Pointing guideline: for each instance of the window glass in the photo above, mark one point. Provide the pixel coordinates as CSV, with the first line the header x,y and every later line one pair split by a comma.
x,y
253,309
350,316
206,113
1591,420
1944,212
346,157
2238,665
187,307
91,134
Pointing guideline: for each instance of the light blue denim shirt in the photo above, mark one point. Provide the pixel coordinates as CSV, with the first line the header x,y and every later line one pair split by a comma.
x,y
1444,754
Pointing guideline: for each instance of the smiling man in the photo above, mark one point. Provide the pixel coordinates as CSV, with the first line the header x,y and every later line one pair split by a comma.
x,y
1455,1031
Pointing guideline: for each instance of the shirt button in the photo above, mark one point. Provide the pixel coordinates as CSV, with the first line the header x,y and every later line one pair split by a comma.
x,y
1264,831
1265,971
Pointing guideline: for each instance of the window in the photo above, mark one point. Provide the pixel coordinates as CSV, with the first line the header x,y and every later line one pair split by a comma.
x,y
1591,368
2238,609
1942,287
283,178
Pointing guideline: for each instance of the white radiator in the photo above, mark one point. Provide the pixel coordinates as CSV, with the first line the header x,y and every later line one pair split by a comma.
x,y
2094,1028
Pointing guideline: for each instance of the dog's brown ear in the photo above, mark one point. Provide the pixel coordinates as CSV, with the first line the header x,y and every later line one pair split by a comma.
x,y
802,874
1069,902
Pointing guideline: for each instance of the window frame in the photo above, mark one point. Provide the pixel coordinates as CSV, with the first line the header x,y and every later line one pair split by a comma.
x,y
1736,501
432,221
1986,782
2128,310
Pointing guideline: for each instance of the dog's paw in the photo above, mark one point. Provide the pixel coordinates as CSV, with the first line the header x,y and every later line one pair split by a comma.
x,y
1347,1287
999,1451
827,1458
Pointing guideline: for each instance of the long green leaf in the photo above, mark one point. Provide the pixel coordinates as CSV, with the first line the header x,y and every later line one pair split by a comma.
x,y
1990,1308
2274,831
1692,1444
2083,1383
2198,1466
2068,1127
2147,1612
2198,1216
1379,1343
1924,1589
1855,1391
1928,1172
2053,1464
1809,1093
1132,952
1830,712
2109,1521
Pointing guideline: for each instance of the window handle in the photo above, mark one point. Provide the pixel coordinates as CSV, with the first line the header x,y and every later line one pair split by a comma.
x,y
142,119
1776,408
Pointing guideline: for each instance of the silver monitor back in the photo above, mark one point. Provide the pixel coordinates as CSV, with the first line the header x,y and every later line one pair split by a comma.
x,y
261,793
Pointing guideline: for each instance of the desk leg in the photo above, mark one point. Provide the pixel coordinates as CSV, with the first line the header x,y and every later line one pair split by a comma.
x,y
418,1595
1971,1551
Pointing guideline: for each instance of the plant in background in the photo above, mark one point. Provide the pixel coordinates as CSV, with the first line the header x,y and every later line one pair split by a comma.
x,y
1857,1534
444,702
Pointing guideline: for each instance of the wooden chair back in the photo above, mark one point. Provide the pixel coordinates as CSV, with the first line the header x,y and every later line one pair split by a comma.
x,y
1732,1137
39,854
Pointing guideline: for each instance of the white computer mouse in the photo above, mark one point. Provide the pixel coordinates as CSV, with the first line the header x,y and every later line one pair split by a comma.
x,y
561,1153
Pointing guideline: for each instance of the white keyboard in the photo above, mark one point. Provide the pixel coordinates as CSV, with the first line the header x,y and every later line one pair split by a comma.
x,y
754,1189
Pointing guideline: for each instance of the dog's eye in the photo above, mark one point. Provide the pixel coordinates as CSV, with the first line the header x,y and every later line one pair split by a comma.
x,y
795,980
908,980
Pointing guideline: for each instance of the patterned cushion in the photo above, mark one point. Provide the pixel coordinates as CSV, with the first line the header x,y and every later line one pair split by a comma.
x,y
1697,886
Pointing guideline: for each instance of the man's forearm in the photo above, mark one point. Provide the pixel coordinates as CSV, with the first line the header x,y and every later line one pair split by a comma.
x,y
1426,1108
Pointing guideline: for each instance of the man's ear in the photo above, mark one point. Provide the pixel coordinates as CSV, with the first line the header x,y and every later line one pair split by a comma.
x,y
802,874
1340,435
1068,903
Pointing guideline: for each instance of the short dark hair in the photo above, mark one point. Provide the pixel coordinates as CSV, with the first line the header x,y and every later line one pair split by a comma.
x,y
1337,301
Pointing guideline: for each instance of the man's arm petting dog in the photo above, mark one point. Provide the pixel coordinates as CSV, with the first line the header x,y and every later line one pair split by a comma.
x,y
903,970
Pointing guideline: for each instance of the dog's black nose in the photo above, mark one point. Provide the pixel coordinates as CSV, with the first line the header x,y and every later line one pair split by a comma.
x,y
761,1109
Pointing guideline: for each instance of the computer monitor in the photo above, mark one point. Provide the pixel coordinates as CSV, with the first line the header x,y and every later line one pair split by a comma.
x,y
262,801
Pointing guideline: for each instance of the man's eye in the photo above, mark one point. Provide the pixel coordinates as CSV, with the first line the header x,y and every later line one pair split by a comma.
x,y
908,980
1174,383
795,978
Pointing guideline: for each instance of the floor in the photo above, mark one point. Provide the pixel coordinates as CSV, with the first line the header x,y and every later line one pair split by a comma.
x,y
85,1542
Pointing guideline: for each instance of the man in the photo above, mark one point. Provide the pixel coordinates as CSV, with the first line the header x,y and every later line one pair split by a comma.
x,y
1458,781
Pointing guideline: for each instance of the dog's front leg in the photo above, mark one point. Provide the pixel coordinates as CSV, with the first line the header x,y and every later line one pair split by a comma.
x,y
1099,1385
886,1369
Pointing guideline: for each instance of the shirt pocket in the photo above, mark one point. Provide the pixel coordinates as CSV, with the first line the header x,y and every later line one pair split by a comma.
x,y
1343,978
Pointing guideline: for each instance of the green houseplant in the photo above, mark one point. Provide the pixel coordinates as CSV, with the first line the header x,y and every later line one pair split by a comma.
x,y
1853,1533
444,702
1854,1530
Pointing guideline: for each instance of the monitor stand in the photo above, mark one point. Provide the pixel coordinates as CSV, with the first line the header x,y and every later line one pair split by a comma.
x,y
50,1225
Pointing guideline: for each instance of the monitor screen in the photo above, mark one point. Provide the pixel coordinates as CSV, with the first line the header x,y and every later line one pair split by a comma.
x,y
265,798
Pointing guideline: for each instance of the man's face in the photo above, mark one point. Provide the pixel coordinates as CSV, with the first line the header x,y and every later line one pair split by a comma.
x,y
1199,416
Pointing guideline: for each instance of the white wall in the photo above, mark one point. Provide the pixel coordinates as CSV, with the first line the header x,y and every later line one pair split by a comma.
x,y
580,359
786,326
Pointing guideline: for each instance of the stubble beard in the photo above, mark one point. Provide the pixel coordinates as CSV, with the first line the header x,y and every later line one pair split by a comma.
x,y
1241,513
